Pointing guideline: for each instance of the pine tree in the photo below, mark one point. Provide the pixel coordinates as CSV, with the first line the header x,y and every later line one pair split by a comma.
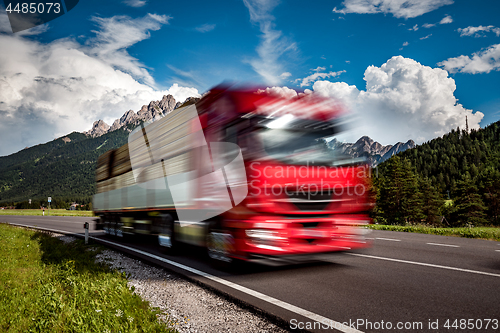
x,y
431,202
470,209
399,198
490,187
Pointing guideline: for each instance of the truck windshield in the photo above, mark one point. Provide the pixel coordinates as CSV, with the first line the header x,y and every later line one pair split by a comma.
x,y
297,147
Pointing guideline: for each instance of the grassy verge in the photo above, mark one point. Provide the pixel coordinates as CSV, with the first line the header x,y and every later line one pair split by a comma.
x,y
38,212
49,286
477,232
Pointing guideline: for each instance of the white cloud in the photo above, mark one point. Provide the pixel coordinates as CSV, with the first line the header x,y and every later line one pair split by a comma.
x,y
403,100
398,8
116,34
484,61
205,27
446,20
273,45
415,28
318,69
405,44
422,38
280,91
135,3
478,31
49,90
285,75
308,80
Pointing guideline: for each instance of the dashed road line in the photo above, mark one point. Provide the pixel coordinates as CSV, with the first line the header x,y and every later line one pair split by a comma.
x,y
437,244
389,239
423,264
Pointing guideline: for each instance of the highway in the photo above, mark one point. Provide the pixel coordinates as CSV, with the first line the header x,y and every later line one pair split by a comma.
x,y
404,283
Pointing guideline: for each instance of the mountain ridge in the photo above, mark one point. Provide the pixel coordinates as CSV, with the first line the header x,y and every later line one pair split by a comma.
x,y
373,151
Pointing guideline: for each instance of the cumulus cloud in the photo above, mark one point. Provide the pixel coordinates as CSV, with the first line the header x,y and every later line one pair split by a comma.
x,y
484,61
403,100
49,90
446,20
478,31
398,8
273,45
135,3
280,91
415,28
428,25
425,37
308,80
205,27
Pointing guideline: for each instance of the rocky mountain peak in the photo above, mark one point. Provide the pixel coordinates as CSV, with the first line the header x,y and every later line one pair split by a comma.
x,y
365,139
167,103
98,128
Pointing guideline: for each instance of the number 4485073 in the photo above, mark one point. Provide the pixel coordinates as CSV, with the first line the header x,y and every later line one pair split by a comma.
x,y
35,8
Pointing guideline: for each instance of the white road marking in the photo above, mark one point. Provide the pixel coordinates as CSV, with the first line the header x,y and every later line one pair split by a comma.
x,y
497,250
389,239
449,245
424,264
287,306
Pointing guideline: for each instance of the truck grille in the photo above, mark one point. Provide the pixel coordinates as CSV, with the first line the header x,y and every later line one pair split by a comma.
x,y
312,201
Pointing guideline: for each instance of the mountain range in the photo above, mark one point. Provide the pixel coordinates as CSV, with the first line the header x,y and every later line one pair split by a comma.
x,y
151,112
373,151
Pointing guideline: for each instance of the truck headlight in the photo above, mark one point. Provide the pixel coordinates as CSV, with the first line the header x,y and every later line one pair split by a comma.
x,y
263,234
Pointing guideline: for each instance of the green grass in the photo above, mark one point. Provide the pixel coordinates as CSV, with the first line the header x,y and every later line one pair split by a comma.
x,y
490,233
53,212
49,286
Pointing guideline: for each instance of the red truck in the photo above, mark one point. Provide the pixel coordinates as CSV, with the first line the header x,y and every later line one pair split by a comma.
x,y
243,172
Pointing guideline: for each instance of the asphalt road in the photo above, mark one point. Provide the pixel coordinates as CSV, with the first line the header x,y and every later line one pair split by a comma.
x,y
404,280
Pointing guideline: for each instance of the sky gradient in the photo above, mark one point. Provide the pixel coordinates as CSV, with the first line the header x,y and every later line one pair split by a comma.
x,y
406,69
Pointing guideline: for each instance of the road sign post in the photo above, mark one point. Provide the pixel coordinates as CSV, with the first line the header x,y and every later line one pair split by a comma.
x,y
86,227
50,199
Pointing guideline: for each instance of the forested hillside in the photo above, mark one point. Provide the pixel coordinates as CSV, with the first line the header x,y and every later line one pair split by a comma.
x,y
461,166
63,169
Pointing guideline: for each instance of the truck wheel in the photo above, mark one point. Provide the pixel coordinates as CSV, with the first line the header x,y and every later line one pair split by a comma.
x,y
166,237
109,227
219,245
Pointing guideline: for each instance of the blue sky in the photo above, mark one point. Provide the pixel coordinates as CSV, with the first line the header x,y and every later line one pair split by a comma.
x,y
407,69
